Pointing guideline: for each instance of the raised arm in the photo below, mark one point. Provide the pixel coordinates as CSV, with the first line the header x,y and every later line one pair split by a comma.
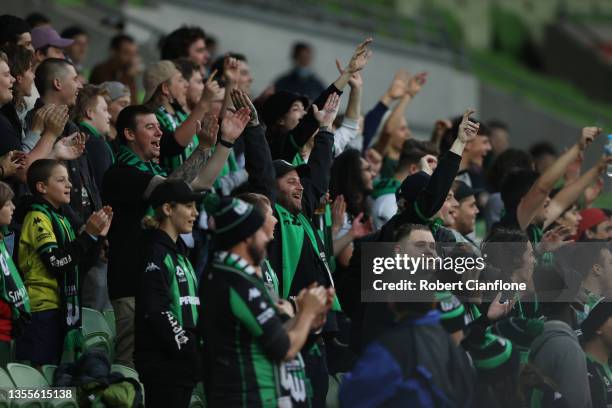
x,y
431,198
258,159
232,126
536,196
308,125
183,135
571,193
320,160
415,83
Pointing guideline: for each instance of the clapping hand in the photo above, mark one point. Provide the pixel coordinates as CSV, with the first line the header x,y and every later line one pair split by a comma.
x,y
70,147
11,162
99,222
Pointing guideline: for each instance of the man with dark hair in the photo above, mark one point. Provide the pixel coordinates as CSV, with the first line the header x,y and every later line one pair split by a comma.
x,y
185,42
77,52
301,79
37,19
128,184
14,30
544,155
122,65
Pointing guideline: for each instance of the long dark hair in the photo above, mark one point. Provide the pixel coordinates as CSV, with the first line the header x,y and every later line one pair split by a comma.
x,y
346,180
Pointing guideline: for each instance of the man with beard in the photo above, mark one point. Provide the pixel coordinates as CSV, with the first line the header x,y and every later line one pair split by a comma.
x,y
251,357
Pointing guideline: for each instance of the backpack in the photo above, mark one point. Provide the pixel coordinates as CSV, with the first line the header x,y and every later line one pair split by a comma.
x,y
96,386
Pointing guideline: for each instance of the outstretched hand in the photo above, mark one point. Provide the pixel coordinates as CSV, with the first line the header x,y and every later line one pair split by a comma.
x,y
468,129
356,81
360,57
70,147
234,123
326,116
240,99
588,135
207,131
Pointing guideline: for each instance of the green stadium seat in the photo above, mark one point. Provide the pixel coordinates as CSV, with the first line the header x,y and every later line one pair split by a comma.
x,y
94,323
48,371
109,315
196,402
26,377
126,371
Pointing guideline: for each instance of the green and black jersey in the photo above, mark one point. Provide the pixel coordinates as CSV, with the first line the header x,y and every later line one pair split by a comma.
x,y
172,154
245,341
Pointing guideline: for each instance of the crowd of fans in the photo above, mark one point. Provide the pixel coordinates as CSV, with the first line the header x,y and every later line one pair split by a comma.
x,y
226,231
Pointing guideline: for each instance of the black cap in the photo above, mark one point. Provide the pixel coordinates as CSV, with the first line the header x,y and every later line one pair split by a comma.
x,y
278,104
463,191
282,167
595,319
235,221
412,186
174,191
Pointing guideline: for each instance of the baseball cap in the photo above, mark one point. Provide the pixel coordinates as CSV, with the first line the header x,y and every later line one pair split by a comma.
x,y
282,167
590,218
115,89
595,319
463,191
278,104
45,35
174,191
156,74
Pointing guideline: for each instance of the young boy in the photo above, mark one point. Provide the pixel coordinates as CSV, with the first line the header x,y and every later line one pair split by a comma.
x,y
49,255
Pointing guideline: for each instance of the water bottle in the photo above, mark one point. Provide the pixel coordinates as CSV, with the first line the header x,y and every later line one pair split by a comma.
x,y
608,151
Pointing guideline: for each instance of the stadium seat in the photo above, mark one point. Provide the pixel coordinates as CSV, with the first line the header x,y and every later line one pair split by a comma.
x,y
97,332
94,323
48,371
126,371
109,315
5,383
25,376
196,401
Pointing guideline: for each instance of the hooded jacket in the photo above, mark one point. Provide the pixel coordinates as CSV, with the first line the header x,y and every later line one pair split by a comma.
x,y
558,355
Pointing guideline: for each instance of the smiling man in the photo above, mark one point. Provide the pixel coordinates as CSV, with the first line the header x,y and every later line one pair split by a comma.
x,y
128,184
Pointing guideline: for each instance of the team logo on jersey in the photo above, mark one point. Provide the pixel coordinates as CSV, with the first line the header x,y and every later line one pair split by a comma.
x,y
254,293
4,265
151,267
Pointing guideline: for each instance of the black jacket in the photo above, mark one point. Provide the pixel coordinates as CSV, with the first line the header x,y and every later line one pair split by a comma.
x,y
165,351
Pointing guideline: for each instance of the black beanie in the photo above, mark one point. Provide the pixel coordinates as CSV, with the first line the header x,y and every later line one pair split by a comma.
x,y
235,221
493,356
452,312
595,319
521,331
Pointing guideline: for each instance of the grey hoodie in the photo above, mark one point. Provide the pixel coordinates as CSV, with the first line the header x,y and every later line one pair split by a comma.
x,y
558,355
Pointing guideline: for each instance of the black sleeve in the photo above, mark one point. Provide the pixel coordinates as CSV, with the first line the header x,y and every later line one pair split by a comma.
x,y
432,197
168,145
252,309
307,126
155,301
99,157
319,165
125,185
59,260
597,387
258,162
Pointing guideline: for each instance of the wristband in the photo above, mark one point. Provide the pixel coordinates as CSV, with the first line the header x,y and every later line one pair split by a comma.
x,y
225,143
